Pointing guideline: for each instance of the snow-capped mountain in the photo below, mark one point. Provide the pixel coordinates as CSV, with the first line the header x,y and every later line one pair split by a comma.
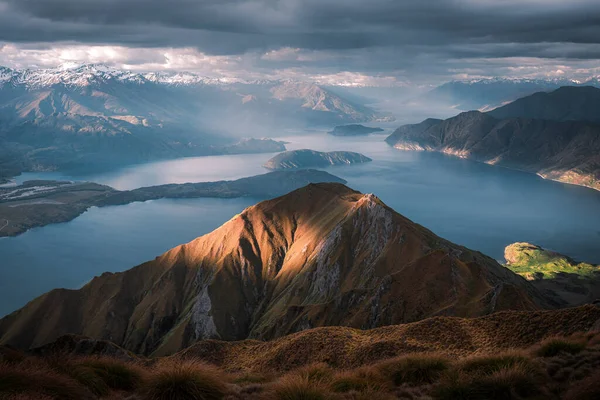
x,y
95,114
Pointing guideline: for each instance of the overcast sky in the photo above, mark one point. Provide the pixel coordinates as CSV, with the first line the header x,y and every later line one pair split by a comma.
x,y
380,42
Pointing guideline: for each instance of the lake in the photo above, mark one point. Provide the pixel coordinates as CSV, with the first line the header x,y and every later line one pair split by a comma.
x,y
477,205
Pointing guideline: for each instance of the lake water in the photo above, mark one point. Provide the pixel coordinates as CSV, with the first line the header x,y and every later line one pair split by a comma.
x,y
480,206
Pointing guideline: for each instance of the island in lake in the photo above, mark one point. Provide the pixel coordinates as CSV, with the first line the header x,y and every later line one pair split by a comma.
x,y
39,203
353,130
313,159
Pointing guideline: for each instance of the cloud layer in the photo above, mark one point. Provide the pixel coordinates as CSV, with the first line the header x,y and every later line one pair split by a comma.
x,y
409,39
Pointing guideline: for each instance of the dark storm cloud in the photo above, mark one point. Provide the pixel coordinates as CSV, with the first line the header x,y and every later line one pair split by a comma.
x,y
375,36
235,26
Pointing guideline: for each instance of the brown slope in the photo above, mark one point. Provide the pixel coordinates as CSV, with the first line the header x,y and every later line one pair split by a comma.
x,y
344,347
321,255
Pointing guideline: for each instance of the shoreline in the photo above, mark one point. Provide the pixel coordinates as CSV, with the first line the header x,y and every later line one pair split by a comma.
x,y
449,153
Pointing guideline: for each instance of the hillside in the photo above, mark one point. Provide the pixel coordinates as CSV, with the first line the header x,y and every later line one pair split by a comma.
x,y
508,355
486,94
313,159
319,256
566,151
570,282
568,103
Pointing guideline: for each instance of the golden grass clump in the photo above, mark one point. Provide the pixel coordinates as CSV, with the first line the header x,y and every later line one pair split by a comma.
x,y
38,381
186,380
414,369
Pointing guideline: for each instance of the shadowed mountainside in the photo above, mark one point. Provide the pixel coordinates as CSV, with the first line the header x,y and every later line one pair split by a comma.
x,y
563,151
321,255
568,103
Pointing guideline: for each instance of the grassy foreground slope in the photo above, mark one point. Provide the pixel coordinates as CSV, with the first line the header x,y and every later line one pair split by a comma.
x,y
509,355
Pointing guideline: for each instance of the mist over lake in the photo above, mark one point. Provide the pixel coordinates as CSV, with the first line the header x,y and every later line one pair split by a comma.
x,y
476,205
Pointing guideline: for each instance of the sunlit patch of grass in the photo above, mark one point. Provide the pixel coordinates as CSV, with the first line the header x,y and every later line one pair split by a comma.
x,y
534,262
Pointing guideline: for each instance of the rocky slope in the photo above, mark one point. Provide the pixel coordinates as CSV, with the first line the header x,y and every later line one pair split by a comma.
x,y
321,255
566,151
353,130
313,159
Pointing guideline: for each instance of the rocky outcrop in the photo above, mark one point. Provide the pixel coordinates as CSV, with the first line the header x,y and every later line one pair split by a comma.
x,y
319,256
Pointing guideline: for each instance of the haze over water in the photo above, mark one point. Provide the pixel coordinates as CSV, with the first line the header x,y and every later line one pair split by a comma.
x,y
476,205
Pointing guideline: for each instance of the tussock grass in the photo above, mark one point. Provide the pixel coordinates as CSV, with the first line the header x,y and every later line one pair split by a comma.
x,y
314,373
115,374
586,389
297,387
251,379
516,382
487,364
39,381
414,369
554,346
186,380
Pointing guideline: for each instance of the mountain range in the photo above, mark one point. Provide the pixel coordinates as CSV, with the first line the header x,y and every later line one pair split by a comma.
x,y
95,116
321,255
487,94
555,135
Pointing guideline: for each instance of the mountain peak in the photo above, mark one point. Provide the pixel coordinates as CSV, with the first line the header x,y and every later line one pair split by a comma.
x,y
321,255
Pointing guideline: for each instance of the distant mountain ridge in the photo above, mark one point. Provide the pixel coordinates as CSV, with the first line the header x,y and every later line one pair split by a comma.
x,y
487,94
565,146
319,256
568,103
104,117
